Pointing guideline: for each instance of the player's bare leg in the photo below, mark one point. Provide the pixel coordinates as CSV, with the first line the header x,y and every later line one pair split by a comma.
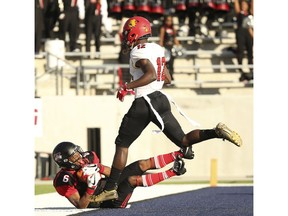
x,y
199,135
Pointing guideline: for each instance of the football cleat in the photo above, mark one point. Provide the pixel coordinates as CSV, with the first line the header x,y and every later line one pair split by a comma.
x,y
179,166
227,134
187,152
105,195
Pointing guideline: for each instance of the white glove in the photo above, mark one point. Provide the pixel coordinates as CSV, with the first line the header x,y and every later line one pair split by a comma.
x,y
93,180
91,172
90,169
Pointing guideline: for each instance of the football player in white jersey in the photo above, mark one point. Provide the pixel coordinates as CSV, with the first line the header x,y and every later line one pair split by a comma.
x,y
149,72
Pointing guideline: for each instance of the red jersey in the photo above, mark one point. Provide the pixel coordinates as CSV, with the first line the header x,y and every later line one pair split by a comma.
x,y
66,182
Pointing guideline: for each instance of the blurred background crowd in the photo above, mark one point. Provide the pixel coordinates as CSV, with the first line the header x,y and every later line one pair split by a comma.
x,y
66,19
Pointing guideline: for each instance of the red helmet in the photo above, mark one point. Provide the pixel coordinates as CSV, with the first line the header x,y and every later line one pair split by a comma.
x,y
136,28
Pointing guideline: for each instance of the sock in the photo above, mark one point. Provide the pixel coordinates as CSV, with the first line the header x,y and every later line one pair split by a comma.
x,y
154,178
113,179
197,135
162,160
207,134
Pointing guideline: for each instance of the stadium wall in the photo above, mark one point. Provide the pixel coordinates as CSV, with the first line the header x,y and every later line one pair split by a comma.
x,y
66,118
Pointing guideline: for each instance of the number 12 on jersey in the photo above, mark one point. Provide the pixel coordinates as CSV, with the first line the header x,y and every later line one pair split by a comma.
x,y
161,61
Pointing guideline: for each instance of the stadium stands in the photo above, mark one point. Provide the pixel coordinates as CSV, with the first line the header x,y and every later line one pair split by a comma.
x,y
208,62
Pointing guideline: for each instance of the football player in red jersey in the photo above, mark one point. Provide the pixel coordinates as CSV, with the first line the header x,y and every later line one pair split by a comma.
x,y
149,72
82,176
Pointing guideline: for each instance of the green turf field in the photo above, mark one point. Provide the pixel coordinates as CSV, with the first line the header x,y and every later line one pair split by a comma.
x,y
43,189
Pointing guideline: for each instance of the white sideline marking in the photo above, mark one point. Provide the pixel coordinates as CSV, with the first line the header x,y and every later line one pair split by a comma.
x,y
53,204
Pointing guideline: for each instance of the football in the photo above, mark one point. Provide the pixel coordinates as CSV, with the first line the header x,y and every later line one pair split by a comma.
x,y
81,176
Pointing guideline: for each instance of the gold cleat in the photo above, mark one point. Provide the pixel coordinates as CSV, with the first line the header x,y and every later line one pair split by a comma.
x,y
227,134
105,195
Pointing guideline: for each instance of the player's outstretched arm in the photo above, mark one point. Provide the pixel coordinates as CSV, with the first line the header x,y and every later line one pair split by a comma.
x,y
79,202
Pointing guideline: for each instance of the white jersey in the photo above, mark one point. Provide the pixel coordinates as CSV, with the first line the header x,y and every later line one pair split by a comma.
x,y
155,54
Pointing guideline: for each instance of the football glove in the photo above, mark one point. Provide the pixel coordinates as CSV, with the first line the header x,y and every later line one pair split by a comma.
x,y
93,180
123,91
90,169
86,171
92,175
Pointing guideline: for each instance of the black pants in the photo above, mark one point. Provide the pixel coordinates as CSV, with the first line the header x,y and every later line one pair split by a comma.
x,y
244,42
140,115
93,25
39,28
70,24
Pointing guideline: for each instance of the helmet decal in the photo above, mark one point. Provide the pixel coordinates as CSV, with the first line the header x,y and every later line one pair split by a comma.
x,y
58,156
132,23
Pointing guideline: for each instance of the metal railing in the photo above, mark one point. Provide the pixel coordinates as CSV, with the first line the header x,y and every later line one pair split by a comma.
x,y
57,70
87,76
92,71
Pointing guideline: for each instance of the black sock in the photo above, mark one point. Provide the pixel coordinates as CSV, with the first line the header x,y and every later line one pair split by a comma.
x,y
113,179
207,134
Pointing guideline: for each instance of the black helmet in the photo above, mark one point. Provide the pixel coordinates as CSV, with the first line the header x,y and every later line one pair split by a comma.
x,y
63,151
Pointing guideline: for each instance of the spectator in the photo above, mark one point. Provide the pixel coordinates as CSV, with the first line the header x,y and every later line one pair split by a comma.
x,y
192,10
106,21
168,6
244,36
115,9
180,12
50,19
168,40
143,9
123,57
207,16
157,9
71,11
40,6
93,23
128,8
